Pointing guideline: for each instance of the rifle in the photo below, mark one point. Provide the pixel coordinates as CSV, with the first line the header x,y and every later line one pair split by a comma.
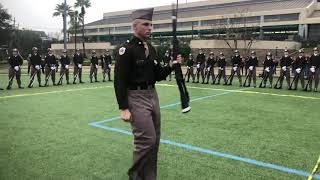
x,y
61,77
47,78
231,76
247,77
266,76
309,81
184,96
32,78
294,79
218,76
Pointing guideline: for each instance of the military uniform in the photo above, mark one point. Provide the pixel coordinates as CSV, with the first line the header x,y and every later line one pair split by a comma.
x,y
252,64
35,66
210,68
136,71
201,59
314,71
15,61
94,67
166,60
236,61
106,63
285,63
77,62
268,71
189,72
221,63
51,67
64,70
299,66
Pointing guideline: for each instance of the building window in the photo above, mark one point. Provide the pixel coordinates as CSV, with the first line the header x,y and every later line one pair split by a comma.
x,y
123,29
282,17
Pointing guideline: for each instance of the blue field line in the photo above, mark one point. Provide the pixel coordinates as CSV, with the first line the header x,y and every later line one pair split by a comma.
x,y
171,105
216,153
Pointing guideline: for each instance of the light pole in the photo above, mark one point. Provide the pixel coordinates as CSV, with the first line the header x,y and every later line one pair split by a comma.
x,y
65,25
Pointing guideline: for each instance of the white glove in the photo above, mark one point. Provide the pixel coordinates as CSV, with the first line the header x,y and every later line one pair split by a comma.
x,y
66,66
198,66
267,69
284,68
97,66
80,66
298,70
53,68
37,67
110,65
251,68
16,68
189,67
208,69
313,69
221,68
235,68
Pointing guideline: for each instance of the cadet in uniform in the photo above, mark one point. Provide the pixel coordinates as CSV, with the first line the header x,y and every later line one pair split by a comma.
x,y
51,67
166,60
189,72
77,63
15,62
65,63
106,63
252,63
136,71
236,60
35,63
314,70
210,68
285,63
268,71
299,66
221,62
201,60
94,66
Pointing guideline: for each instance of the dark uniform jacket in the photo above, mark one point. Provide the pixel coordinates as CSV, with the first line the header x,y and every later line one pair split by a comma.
x,y
201,59
300,62
35,59
133,69
166,60
94,60
15,61
65,60
77,59
252,62
236,61
190,63
50,60
315,61
221,62
211,62
269,63
286,61
105,60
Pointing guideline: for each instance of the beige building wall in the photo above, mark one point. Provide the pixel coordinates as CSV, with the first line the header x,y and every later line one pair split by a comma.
x,y
96,46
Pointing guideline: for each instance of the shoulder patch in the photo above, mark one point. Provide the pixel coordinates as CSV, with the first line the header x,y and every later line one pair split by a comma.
x,y
122,50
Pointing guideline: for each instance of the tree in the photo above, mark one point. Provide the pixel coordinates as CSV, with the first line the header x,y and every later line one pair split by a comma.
x,y
74,24
63,10
83,4
5,27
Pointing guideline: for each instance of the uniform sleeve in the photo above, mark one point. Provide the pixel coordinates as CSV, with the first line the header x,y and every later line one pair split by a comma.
x,y
20,61
121,77
161,73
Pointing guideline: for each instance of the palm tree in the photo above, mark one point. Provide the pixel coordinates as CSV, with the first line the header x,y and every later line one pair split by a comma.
x,y
62,10
83,4
74,22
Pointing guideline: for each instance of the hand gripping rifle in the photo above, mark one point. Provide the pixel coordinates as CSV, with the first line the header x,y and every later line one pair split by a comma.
x,y
184,96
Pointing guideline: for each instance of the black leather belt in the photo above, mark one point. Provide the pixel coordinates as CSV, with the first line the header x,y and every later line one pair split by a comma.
x,y
141,87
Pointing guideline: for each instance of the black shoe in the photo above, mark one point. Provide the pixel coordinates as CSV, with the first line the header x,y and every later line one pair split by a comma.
x,y
218,83
315,90
81,82
8,87
230,84
97,81
103,80
111,80
225,84
67,83
197,82
74,83
29,86
193,82
254,86
20,87
187,81
40,85
206,83
1,89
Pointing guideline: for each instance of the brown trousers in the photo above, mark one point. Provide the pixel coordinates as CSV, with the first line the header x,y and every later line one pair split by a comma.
x,y
190,73
12,73
253,76
64,71
314,76
200,71
268,75
145,111
106,71
47,71
285,74
93,72
222,73
77,72
297,78
209,73
237,72
38,73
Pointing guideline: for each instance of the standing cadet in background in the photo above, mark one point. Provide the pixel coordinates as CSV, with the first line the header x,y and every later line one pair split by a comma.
x,y
51,67
252,64
77,63
136,72
94,66
236,60
210,68
299,66
314,69
221,62
189,72
35,63
285,63
106,63
15,62
268,71
166,60
65,63
201,60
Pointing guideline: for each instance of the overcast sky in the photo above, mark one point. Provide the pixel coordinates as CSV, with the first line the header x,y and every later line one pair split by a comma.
x,y
37,14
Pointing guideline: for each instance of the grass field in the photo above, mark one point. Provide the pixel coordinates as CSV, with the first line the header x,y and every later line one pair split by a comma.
x,y
231,133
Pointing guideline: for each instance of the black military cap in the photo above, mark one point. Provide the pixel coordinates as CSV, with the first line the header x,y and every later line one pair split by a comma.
x,y
142,14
